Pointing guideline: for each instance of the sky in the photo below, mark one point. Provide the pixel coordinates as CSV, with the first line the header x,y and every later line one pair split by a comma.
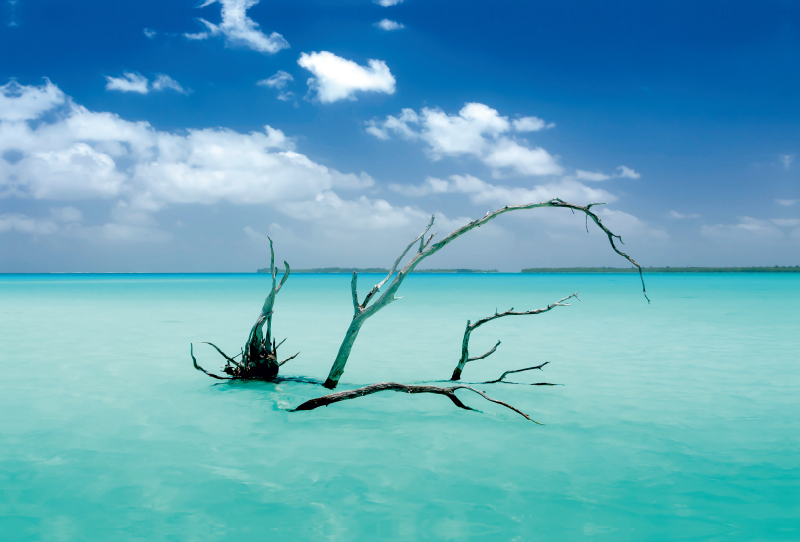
x,y
152,136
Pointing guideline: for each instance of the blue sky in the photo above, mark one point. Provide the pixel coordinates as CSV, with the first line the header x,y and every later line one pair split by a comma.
x,y
134,136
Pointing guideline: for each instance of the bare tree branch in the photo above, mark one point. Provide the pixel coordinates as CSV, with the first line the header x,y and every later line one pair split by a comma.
x,y
510,312
288,359
196,366
487,354
518,371
449,392
362,311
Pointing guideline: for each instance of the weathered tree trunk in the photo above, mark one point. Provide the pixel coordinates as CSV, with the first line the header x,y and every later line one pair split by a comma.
x,y
260,354
364,310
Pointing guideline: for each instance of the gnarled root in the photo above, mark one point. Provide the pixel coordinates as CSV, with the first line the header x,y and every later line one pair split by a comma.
x,y
448,392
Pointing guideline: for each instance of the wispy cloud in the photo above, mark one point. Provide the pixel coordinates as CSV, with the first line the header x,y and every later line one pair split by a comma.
x,y
786,160
387,3
279,80
389,25
149,33
786,202
678,216
135,82
336,78
238,28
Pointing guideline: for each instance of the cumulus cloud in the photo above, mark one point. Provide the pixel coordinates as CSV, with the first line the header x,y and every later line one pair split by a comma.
x,y
77,154
387,3
135,82
389,25
337,78
476,130
624,171
239,29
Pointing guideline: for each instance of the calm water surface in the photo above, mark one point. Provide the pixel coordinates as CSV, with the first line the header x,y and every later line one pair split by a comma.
x,y
678,420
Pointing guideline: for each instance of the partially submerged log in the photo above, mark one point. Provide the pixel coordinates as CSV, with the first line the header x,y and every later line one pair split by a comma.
x,y
510,312
448,392
362,311
259,357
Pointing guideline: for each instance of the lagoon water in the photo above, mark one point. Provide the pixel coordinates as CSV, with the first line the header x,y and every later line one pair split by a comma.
x,y
678,420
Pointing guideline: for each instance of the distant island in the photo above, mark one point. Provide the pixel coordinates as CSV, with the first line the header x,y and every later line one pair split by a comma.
x,y
351,270
775,269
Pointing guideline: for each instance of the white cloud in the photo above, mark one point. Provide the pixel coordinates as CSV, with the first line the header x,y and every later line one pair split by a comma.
x,y
530,124
786,202
625,171
239,29
135,82
786,160
477,130
165,81
387,3
279,80
678,216
337,78
389,25
150,33
18,103
77,154
130,82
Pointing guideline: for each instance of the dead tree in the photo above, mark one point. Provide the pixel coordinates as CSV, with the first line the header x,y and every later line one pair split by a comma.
x,y
362,311
259,357
472,327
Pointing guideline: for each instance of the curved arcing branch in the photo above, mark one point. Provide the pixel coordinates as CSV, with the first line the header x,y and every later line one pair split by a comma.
x,y
449,392
196,366
362,311
519,371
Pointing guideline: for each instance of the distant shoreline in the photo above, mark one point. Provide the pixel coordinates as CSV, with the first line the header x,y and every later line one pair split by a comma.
x,y
544,270
337,270
775,269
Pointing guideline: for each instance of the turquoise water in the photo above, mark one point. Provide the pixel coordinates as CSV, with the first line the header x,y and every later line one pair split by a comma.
x,y
677,420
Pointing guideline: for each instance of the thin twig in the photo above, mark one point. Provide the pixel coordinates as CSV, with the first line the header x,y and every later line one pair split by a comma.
x,y
288,359
487,354
518,371
196,366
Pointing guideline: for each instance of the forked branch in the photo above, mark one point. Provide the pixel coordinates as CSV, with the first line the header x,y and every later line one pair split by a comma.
x,y
520,371
472,327
449,392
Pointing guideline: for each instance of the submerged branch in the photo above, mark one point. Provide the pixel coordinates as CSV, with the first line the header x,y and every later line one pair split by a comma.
x,y
448,392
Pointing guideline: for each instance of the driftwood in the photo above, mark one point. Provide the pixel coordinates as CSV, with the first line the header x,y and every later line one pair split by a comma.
x,y
510,312
448,392
260,354
362,311
520,371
